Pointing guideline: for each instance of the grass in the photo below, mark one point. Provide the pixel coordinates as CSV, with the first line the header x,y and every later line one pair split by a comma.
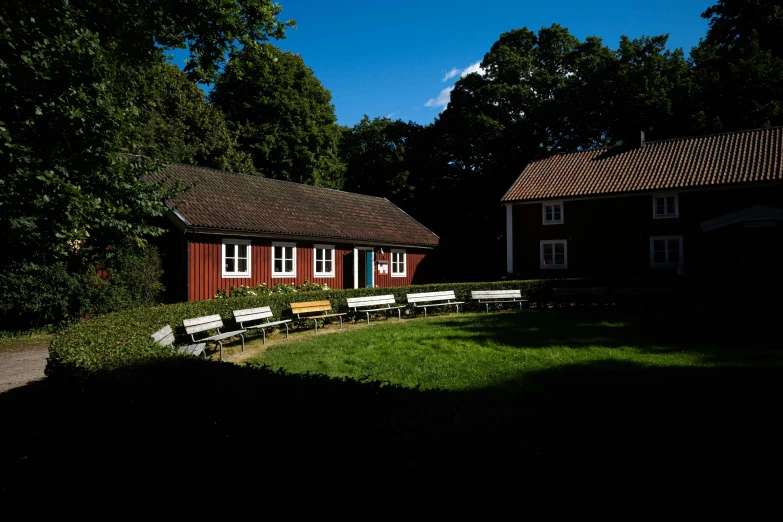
x,y
679,396
506,350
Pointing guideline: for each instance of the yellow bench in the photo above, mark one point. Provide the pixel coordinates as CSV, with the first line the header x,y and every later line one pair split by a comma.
x,y
313,307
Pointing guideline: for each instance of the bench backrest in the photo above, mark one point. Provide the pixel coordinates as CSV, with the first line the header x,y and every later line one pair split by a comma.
x,y
164,336
496,294
373,300
252,314
311,306
202,324
424,297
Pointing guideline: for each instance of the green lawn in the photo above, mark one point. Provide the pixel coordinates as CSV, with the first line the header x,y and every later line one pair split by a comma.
x,y
506,350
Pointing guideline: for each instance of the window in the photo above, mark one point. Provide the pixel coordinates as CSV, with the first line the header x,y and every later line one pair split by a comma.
x,y
236,258
324,260
552,213
666,206
554,253
283,259
666,251
398,263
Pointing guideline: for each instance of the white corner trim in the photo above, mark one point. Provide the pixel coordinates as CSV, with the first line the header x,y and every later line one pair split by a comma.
x,y
509,239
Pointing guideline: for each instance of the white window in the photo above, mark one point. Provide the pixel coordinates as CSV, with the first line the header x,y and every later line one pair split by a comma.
x,y
552,213
666,251
236,258
398,263
283,259
324,260
666,206
554,253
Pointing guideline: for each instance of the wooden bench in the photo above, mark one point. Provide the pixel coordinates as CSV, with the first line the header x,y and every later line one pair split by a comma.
x,y
209,322
311,307
249,315
375,303
433,299
488,297
584,294
165,337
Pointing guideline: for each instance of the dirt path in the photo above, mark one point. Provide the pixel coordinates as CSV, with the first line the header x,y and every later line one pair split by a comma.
x,y
22,362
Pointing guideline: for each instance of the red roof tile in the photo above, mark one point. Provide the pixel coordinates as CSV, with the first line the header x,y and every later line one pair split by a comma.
x,y
721,159
225,200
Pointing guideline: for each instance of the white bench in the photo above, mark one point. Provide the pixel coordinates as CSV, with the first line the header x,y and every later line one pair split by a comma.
x,y
257,314
432,299
488,297
374,303
165,337
208,322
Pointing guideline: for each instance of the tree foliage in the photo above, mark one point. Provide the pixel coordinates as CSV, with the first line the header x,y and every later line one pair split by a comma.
x,y
738,66
67,119
284,115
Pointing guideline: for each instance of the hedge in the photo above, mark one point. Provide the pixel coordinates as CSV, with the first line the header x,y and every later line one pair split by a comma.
x,y
120,339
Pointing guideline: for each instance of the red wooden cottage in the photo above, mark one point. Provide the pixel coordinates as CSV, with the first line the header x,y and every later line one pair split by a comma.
x,y
235,229
707,206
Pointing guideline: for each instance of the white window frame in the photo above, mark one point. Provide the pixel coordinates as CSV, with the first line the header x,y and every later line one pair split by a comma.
x,y
236,273
543,242
325,248
283,274
404,272
667,264
552,204
664,195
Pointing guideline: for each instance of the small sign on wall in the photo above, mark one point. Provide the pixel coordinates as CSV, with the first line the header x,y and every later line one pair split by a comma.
x,y
383,267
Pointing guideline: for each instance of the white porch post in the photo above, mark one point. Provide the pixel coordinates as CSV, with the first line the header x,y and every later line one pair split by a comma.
x,y
355,267
509,238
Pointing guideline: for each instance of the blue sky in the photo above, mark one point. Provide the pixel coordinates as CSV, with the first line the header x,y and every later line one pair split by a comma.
x,y
390,58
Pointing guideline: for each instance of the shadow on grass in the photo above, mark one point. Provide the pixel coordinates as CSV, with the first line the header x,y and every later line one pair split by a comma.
x,y
744,336
188,422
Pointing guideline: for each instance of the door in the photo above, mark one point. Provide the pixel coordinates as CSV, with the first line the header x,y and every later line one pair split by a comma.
x,y
368,270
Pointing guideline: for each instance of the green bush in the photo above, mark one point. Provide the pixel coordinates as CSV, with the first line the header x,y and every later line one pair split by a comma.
x,y
119,339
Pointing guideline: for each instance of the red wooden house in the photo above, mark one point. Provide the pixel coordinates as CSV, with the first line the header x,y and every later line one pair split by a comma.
x,y
234,229
707,206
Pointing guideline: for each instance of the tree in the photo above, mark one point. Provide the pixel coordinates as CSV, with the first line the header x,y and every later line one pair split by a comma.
x,y
738,67
284,115
381,160
180,126
67,117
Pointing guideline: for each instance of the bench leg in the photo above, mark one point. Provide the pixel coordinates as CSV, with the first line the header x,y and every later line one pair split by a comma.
x,y
341,320
368,319
399,314
263,331
316,325
242,336
286,330
221,351
488,305
425,312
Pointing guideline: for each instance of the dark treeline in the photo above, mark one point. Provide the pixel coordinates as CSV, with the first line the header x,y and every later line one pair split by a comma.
x,y
81,84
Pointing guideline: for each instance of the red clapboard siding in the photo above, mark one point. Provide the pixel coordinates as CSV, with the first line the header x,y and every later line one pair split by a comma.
x,y
412,261
205,271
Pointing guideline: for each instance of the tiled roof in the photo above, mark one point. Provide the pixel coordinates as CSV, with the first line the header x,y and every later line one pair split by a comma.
x,y
225,200
721,159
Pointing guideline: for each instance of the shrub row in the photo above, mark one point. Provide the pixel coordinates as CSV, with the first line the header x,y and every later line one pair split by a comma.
x,y
119,339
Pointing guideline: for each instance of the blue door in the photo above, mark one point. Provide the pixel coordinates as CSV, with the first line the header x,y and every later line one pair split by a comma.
x,y
368,271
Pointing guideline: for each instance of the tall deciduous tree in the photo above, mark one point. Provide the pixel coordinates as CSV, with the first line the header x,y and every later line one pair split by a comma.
x,y
738,66
67,72
285,116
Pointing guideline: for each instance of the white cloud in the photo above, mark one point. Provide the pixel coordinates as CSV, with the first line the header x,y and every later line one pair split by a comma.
x,y
441,100
389,116
451,74
443,97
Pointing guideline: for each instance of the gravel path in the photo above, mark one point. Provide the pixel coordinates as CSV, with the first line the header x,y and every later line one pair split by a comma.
x,y
22,362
